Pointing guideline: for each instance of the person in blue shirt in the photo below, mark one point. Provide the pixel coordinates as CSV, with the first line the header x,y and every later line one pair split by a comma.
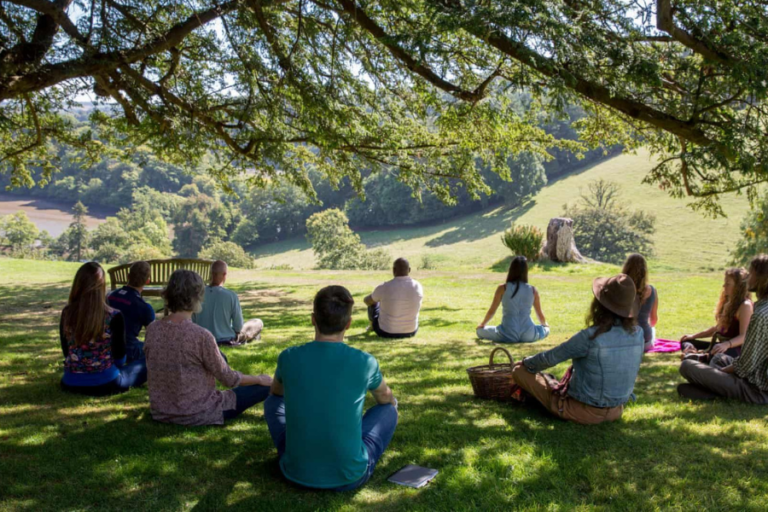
x,y
315,410
221,313
136,312
92,337
606,359
517,298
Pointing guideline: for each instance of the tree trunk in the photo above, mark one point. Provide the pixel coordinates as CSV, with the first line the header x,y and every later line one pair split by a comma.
x,y
560,245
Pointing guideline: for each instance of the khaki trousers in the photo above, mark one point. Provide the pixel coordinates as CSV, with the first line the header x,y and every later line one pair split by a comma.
x,y
540,385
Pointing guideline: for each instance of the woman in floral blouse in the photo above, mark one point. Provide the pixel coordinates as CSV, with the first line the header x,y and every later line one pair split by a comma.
x,y
184,364
92,337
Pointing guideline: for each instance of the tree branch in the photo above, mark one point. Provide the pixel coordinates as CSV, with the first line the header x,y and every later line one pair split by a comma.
x,y
101,63
665,21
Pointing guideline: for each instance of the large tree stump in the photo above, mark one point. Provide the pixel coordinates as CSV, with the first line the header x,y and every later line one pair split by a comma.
x,y
560,245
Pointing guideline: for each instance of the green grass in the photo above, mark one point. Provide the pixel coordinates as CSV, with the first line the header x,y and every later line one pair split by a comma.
x,y
65,452
684,239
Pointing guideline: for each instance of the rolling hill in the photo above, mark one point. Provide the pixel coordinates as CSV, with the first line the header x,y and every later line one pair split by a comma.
x,y
684,239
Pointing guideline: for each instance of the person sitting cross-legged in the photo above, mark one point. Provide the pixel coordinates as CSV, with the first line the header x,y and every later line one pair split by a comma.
x,y
606,359
744,377
222,314
315,412
184,364
92,337
516,298
393,307
136,312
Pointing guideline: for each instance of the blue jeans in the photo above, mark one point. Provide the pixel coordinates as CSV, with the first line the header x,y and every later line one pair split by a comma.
x,y
379,424
373,316
132,375
247,397
492,333
134,352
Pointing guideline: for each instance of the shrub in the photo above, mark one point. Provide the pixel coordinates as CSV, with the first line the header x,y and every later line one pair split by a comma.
x,y
428,262
754,234
337,247
605,230
142,252
229,252
523,240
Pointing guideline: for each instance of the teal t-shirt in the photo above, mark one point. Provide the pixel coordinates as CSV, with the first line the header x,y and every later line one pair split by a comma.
x,y
325,386
221,313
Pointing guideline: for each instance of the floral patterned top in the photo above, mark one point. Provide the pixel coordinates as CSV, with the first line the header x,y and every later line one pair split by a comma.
x,y
95,356
183,365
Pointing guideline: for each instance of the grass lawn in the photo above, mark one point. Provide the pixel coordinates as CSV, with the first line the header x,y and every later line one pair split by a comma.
x,y
64,452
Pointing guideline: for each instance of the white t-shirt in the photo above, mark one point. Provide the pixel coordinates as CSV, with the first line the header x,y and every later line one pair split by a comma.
x,y
400,301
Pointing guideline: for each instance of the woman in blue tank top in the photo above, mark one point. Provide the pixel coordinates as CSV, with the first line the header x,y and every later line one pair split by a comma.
x,y
517,298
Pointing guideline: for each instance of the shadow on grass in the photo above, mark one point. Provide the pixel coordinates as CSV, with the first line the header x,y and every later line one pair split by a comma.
x,y
60,451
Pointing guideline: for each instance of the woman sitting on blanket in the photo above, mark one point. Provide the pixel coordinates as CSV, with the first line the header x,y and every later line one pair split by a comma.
x,y
606,358
517,298
92,337
732,314
637,269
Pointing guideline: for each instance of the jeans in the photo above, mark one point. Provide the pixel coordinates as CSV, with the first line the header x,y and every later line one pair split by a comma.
x,y
379,423
247,397
373,316
132,375
134,352
492,333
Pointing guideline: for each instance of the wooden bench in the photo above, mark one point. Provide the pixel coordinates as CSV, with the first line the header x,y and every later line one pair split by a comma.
x,y
160,272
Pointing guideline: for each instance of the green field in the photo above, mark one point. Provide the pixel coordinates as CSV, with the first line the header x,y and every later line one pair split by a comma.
x,y
64,452
685,240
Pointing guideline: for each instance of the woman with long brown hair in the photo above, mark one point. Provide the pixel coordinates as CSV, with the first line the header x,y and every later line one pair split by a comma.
x,y
637,269
606,358
92,337
732,315
516,298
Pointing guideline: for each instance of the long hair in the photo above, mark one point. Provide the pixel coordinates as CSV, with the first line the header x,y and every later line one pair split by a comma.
x,y
604,319
726,308
637,268
518,272
87,306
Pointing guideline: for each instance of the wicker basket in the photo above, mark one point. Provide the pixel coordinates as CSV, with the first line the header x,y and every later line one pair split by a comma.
x,y
494,380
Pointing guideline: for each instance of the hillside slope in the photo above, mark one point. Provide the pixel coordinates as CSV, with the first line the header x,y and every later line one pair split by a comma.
x,y
685,240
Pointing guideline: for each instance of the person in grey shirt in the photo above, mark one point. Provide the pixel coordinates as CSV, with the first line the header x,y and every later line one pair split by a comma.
x,y
221,313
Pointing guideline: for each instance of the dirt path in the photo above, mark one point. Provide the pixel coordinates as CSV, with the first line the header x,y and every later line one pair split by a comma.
x,y
53,216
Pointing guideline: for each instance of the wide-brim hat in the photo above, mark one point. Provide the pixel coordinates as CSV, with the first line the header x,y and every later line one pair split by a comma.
x,y
618,294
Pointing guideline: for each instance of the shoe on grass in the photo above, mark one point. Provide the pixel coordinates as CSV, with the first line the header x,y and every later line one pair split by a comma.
x,y
692,392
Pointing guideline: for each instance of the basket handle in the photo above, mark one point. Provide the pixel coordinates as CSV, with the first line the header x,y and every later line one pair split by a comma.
x,y
511,361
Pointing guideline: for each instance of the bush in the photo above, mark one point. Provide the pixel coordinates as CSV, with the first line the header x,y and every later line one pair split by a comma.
x,y
337,247
17,231
230,252
523,240
754,234
606,231
142,252
428,262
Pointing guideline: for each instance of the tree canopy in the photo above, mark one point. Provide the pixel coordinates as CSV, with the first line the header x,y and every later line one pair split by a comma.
x,y
276,88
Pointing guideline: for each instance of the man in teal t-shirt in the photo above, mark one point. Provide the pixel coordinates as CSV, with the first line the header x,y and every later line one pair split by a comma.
x,y
222,315
315,412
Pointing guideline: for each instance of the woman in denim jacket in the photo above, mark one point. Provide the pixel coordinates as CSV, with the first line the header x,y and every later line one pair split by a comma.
x,y
606,358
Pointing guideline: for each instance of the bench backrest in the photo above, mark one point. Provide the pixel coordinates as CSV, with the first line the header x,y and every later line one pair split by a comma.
x,y
161,270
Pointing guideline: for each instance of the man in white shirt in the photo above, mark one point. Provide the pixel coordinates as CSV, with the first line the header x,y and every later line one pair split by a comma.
x,y
393,307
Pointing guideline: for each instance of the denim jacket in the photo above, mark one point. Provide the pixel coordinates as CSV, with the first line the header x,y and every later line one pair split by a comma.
x,y
604,368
